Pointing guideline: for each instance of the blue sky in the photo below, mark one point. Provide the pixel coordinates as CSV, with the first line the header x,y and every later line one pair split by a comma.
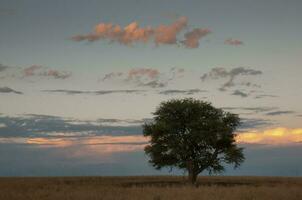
x,y
60,90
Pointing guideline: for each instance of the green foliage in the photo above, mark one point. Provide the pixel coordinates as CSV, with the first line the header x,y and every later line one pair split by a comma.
x,y
192,135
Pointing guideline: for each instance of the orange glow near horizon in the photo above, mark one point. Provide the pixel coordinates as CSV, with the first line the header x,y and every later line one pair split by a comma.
x,y
58,142
274,136
113,144
110,143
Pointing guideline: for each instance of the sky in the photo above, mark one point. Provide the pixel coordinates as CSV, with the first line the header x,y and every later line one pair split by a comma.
x,y
79,78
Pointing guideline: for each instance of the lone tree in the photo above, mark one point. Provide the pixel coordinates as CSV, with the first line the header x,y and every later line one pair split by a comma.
x,y
194,136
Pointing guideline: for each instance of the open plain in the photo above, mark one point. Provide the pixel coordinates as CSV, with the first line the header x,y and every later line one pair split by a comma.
x,y
151,188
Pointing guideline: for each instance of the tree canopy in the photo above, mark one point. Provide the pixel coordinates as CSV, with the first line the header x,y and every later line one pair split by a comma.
x,y
192,135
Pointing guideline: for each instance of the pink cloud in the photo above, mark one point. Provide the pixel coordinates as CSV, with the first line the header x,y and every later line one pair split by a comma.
x,y
115,33
133,33
233,42
38,70
143,72
166,34
30,71
192,38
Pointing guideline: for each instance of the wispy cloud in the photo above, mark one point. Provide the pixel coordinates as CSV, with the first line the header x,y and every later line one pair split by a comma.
x,y
233,42
107,121
112,75
32,71
46,126
253,109
133,33
39,70
104,135
98,92
153,84
134,74
240,93
3,67
175,73
181,92
9,90
260,96
230,75
144,77
281,112
108,92
254,123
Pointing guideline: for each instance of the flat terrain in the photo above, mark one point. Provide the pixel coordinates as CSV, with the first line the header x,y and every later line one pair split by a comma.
x,y
151,188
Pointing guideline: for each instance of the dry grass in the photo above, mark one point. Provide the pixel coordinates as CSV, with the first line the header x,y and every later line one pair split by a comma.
x,y
151,188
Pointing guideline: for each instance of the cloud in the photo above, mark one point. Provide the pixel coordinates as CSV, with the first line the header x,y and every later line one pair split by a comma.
x,y
253,123
116,143
274,136
221,73
9,90
233,42
133,33
280,112
249,84
240,93
83,147
115,33
192,37
144,77
38,70
112,75
3,67
143,73
175,73
101,137
107,92
98,92
254,109
185,92
265,95
45,126
166,34
123,121
32,71
153,84
35,160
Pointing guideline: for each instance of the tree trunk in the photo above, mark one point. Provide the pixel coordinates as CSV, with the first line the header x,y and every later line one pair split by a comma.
x,y
193,177
192,173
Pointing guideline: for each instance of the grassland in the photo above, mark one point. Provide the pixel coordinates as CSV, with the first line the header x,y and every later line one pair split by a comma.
x,y
151,188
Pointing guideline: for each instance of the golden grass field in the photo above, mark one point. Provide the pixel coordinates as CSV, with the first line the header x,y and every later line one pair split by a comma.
x,y
151,188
